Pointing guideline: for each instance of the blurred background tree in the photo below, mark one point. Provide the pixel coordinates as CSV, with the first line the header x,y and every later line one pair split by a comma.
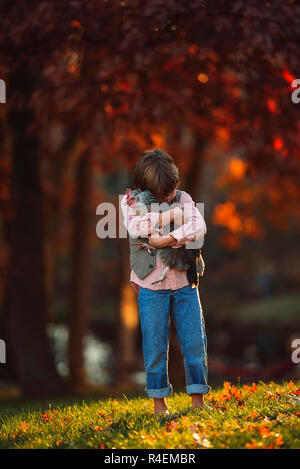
x,y
90,87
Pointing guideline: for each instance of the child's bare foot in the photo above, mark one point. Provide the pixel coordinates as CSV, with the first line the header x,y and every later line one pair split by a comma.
x,y
160,406
198,402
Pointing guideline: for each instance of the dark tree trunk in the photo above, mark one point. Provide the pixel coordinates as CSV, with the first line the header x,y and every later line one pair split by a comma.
x,y
25,324
57,168
80,276
128,321
194,175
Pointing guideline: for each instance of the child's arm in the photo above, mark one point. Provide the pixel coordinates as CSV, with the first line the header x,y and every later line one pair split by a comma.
x,y
174,214
145,225
194,226
158,239
162,241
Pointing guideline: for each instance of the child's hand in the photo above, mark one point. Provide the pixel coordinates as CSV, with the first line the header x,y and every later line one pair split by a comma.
x,y
162,241
174,214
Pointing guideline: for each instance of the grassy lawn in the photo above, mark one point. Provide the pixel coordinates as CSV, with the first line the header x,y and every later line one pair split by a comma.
x,y
254,416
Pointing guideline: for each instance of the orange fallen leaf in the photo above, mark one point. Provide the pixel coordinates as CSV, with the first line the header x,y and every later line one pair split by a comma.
x,y
254,414
264,431
279,441
172,426
97,428
291,385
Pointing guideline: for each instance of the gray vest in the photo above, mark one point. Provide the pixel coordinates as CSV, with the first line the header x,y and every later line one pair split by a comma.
x,y
141,261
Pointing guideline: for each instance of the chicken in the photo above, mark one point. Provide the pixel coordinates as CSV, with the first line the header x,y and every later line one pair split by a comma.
x,y
179,258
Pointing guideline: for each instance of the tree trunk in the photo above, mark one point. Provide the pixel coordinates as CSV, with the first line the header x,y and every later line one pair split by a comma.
x,y
126,361
25,324
194,175
56,171
80,276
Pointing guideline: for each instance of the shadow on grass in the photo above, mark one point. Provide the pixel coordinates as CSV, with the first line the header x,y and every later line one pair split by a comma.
x,y
13,403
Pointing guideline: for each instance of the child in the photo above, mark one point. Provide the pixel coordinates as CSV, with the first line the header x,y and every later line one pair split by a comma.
x,y
156,172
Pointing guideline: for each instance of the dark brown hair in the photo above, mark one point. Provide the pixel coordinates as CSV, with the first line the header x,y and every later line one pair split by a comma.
x,y
156,172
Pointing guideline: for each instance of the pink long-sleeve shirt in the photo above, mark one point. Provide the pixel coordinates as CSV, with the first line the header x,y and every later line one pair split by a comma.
x,y
193,228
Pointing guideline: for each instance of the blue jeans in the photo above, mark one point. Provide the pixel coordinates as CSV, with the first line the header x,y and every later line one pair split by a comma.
x,y
185,307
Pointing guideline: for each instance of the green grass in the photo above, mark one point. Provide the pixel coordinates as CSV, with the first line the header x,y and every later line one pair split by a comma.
x,y
241,417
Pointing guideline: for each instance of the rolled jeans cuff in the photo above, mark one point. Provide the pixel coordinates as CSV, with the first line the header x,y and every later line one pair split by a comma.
x,y
160,393
197,389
